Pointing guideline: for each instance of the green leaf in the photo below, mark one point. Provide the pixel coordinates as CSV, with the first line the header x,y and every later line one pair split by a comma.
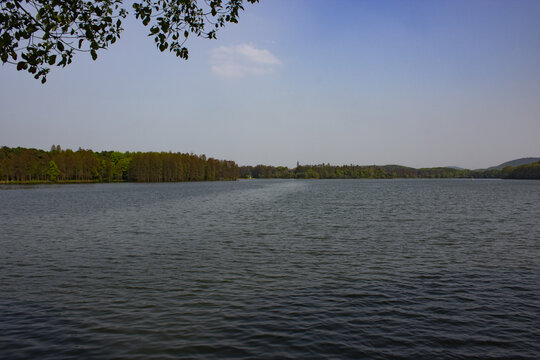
x,y
165,26
94,54
52,59
60,46
21,65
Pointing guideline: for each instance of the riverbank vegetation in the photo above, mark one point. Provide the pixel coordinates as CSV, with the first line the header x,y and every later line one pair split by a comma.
x,y
526,171
327,171
23,165
34,166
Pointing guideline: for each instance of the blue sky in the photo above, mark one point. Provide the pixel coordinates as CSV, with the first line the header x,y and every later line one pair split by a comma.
x,y
417,83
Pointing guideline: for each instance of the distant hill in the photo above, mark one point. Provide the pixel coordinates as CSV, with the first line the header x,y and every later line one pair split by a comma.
x,y
517,162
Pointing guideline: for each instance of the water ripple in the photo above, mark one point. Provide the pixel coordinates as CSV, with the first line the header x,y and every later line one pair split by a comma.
x,y
271,269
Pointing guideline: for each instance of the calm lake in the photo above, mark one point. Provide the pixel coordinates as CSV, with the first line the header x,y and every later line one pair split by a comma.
x,y
271,269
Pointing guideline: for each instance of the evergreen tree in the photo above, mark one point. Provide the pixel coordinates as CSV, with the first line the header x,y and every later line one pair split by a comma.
x,y
53,171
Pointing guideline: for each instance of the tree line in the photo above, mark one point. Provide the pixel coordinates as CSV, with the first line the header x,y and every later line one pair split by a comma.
x,y
26,165
327,171
527,171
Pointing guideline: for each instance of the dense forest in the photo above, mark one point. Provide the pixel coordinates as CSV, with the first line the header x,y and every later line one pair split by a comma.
x,y
327,171
527,171
57,165
23,165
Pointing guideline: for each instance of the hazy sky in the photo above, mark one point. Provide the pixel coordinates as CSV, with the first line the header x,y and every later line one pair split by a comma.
x,y
416,83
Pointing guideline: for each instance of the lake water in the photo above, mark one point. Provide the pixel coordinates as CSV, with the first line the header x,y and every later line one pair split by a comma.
x,y
271,269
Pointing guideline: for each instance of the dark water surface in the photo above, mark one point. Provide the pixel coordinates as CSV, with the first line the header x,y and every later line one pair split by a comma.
x,y
418,269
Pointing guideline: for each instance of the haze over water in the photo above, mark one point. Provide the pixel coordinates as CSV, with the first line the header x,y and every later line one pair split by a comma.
x,y
271,269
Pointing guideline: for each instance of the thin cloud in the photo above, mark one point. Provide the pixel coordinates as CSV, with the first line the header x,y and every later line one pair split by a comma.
x,y
241,60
